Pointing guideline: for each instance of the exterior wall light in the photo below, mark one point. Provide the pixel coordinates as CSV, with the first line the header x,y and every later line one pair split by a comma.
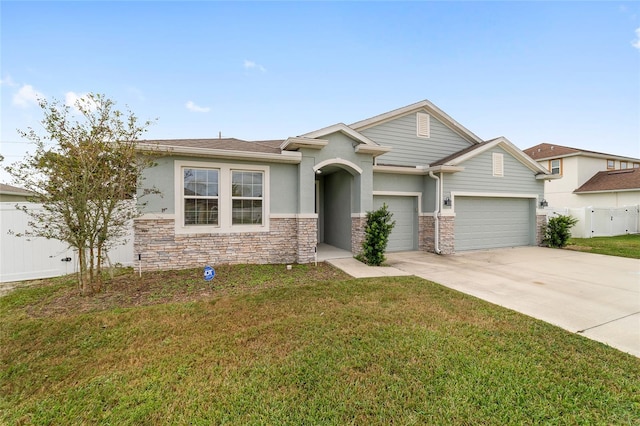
x,y
544,203
447,201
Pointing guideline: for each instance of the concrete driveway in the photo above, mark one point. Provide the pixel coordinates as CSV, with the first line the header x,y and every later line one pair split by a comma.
x,y
594,295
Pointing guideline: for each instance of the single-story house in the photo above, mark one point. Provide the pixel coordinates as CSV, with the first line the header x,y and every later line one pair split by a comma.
x,y
9,193
273,201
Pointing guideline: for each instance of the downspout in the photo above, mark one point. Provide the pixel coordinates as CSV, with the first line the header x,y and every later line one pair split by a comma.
x,y
436,215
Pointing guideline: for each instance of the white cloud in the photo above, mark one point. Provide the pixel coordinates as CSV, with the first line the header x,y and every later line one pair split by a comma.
x,y
248,65
72,99
8,81
191,106
636,42
26,96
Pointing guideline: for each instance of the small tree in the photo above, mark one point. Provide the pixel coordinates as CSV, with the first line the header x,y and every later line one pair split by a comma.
x,y
86,180
558,231
377,231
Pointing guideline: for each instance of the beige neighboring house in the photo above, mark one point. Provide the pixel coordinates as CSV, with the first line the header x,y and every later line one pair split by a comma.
x,y
589,178
10,193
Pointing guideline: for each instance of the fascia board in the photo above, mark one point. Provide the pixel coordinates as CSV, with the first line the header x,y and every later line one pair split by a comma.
x,y
375,150
288,157
400,170
302,142
343,128
425,105
547,176
605,191
445,168
507,146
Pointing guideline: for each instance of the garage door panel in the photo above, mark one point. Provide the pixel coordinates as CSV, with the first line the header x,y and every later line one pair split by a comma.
x,y
485,222
404,234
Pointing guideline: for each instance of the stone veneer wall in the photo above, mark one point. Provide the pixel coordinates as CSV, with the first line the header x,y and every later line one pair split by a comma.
x,y
447,235
358,225
541,225
289,240
426,234
427,230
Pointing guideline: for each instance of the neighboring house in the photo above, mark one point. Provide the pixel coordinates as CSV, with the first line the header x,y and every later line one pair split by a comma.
x,y
10,193
589,179
234,201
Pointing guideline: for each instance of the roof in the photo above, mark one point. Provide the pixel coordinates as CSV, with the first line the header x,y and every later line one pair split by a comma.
x,y
545,151
13,190
457,158
612,180
225,144
418,106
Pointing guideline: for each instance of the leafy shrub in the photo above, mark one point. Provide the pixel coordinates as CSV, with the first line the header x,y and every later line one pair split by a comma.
x,y
377,231
558,231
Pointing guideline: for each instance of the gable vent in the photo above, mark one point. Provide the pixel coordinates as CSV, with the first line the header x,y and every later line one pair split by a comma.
x,y
498,164
424,125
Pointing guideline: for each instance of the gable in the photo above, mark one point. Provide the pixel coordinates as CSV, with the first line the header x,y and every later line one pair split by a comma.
x,y
410,149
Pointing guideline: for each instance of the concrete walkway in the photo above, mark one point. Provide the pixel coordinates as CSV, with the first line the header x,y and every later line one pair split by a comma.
x,y
594,295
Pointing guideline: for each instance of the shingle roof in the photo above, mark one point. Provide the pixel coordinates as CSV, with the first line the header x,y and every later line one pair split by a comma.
x,y
547,150
8,189
227,144
455,155
612,180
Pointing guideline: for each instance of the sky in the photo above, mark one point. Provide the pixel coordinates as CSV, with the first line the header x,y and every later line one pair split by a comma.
x,y
566,73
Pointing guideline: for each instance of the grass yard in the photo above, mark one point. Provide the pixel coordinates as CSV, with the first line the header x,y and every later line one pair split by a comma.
x,y
263,345
622,245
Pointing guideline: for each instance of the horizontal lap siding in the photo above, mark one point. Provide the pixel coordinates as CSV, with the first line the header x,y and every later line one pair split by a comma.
x,y
408,149
477,176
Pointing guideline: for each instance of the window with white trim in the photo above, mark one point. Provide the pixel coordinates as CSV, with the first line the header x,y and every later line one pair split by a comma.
x,y
555,166
498,164
423,127
221,197
200,191
246,197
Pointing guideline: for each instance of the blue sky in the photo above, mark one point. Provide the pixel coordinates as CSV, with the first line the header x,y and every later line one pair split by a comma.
x,y
559,72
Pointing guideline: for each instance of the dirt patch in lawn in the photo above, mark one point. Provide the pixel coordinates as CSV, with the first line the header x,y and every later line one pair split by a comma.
x,y
127,289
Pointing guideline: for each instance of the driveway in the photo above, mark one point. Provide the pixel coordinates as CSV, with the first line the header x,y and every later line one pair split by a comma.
x,y
594,295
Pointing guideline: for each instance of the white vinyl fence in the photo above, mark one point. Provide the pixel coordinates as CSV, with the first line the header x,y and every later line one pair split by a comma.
x,y
26,258
602,221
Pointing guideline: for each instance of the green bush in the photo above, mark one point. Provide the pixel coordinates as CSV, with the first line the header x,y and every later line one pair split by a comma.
x,y
558,231
377,231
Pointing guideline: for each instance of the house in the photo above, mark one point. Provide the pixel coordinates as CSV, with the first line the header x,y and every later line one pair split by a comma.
x,y
273,201
589,179
10,193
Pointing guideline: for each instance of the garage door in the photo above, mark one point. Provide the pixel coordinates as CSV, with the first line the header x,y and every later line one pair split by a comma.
x,y
404,235
484,222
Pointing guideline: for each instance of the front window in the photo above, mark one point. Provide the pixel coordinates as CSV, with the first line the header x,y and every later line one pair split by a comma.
x,y
246,197
611,164
201,188
623,164
556,167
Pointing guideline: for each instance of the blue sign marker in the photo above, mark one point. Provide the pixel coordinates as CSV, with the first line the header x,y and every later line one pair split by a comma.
x,y
209,273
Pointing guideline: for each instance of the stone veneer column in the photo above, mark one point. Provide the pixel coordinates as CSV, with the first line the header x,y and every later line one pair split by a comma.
x,y
426,231
358,225
447,236
541,225
307,239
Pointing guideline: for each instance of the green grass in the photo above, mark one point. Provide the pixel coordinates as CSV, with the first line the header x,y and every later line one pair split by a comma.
x,y
622,245
278,350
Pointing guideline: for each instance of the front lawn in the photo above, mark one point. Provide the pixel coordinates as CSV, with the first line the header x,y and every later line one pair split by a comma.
x,y
309,346
621,245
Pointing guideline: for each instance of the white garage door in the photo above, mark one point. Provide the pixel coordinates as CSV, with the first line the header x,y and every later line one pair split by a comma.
x,y
404,235
484,222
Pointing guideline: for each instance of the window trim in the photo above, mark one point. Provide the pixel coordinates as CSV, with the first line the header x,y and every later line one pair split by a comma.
x,y
624,165
225,203
613,166
559,160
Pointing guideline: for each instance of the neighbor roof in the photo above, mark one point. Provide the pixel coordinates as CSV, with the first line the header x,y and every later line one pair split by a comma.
x,y
13,190
612,180
546,151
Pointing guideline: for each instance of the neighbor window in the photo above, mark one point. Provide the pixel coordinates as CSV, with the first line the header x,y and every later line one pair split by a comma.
x,y
246,196
201,196
611,164
623,164
636,165
556,166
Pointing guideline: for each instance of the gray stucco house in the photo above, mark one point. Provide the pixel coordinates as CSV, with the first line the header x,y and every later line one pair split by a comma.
x,y
234,201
